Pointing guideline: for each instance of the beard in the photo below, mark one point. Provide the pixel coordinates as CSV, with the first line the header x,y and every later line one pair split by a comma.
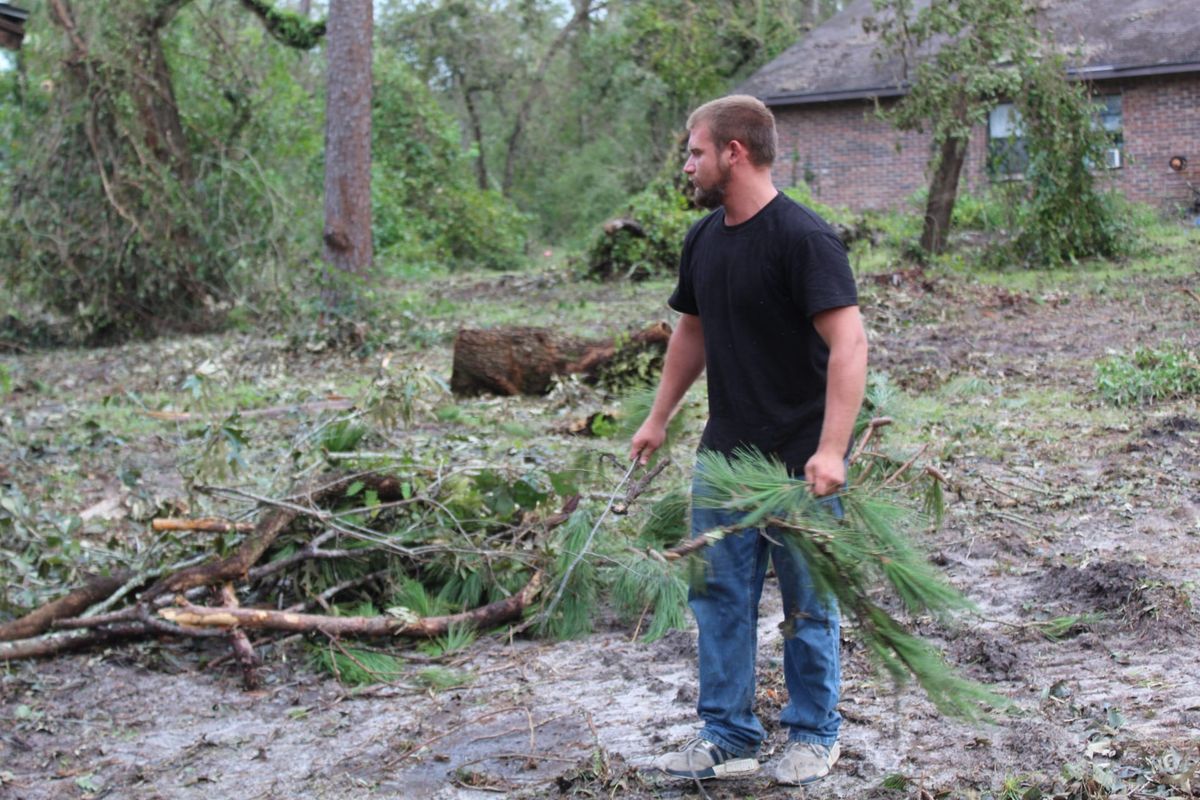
x,y
712,196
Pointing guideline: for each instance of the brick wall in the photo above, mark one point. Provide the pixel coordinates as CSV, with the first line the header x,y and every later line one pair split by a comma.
x,y
850,157
1161,119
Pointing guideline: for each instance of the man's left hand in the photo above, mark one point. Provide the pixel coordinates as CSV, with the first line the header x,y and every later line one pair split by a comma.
x,y
825,473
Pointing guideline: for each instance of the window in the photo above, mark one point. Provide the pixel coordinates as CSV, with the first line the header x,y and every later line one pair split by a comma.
x,y
1007,156
1108,115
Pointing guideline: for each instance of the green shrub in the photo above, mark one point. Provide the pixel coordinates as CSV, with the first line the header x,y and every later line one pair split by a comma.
x,y
664,215
1148,375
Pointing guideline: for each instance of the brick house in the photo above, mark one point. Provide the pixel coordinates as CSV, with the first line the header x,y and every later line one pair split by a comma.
x,y
1141,58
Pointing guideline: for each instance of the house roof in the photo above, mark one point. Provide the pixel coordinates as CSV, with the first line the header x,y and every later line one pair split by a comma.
x,y
1102,39
12,26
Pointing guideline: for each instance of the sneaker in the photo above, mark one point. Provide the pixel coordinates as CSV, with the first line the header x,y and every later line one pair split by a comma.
x,y
701,759
803,762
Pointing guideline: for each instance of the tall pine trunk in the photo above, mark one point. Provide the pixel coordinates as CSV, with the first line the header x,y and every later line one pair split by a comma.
x,y
348,139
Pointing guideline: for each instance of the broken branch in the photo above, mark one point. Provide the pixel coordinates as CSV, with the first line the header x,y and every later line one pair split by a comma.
x,y
422,627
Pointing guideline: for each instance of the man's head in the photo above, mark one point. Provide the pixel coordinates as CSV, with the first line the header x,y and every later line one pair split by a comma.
x,y
724,132
742,118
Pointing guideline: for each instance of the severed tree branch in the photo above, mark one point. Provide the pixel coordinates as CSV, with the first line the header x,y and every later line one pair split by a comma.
x,y
199,617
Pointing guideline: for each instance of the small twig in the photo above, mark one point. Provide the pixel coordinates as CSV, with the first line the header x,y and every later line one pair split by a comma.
x,y
872,426
1014,518
323,598
904,467
641,618
416,748
697,543
991,485
525,756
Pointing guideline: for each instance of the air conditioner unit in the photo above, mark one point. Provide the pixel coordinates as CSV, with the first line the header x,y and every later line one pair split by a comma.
x,y
1112,158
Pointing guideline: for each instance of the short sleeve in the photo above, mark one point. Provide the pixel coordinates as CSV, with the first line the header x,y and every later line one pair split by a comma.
x,y
820,274
683,299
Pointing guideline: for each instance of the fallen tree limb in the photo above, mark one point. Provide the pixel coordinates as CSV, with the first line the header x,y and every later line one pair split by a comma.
x,y
42,619
420,627
58,643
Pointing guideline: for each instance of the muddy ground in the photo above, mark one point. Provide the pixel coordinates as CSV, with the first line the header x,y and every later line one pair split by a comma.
x,y
1063,506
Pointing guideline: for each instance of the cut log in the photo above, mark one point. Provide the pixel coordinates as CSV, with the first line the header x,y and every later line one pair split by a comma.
x,y
205,525
521,360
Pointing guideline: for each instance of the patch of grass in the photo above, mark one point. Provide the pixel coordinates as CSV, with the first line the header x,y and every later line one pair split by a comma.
x,y
1148,375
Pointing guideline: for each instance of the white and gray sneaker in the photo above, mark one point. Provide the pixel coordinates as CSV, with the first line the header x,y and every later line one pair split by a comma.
x,y
701,759
803,762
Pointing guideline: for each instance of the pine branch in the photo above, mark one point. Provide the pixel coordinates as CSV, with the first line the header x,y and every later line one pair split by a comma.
x,y
847,557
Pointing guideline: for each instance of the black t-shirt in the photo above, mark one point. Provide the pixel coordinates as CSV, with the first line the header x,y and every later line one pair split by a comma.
x,y
756,287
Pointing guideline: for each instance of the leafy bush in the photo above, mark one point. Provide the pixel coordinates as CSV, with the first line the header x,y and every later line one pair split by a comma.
x,y
1148,375
980,212
1060,213
802,194
664,215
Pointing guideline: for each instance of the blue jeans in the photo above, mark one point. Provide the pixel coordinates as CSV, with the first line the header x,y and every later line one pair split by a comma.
x,y
726,610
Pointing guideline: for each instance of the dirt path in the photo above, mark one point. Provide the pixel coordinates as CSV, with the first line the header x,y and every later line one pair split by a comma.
x,y
1065,508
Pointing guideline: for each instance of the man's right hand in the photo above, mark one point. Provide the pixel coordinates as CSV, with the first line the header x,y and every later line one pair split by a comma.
x,y
648,438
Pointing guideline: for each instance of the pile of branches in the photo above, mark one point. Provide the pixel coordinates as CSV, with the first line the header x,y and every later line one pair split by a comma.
x,y
540,569
202,599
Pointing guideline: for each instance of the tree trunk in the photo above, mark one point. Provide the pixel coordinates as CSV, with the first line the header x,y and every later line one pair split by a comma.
x,y
154,93
943,190
348,138
513,361
481,173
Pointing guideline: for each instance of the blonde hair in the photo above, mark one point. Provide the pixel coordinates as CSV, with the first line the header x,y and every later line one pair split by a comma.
x,y
740,117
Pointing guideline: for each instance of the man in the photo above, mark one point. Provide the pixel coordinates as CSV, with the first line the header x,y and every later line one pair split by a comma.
x,y
770,308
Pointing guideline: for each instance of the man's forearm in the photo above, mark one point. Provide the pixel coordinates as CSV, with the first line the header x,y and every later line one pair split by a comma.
x,y
845,385
683,364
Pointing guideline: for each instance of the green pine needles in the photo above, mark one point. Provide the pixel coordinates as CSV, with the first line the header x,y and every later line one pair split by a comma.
x,y
847,557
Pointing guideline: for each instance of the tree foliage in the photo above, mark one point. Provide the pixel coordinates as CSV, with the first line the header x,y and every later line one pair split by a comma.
x,y
964,57
138,200
428,208
1061,214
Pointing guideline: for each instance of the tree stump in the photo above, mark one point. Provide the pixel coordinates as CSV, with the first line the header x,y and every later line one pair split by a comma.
x,y
524,360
